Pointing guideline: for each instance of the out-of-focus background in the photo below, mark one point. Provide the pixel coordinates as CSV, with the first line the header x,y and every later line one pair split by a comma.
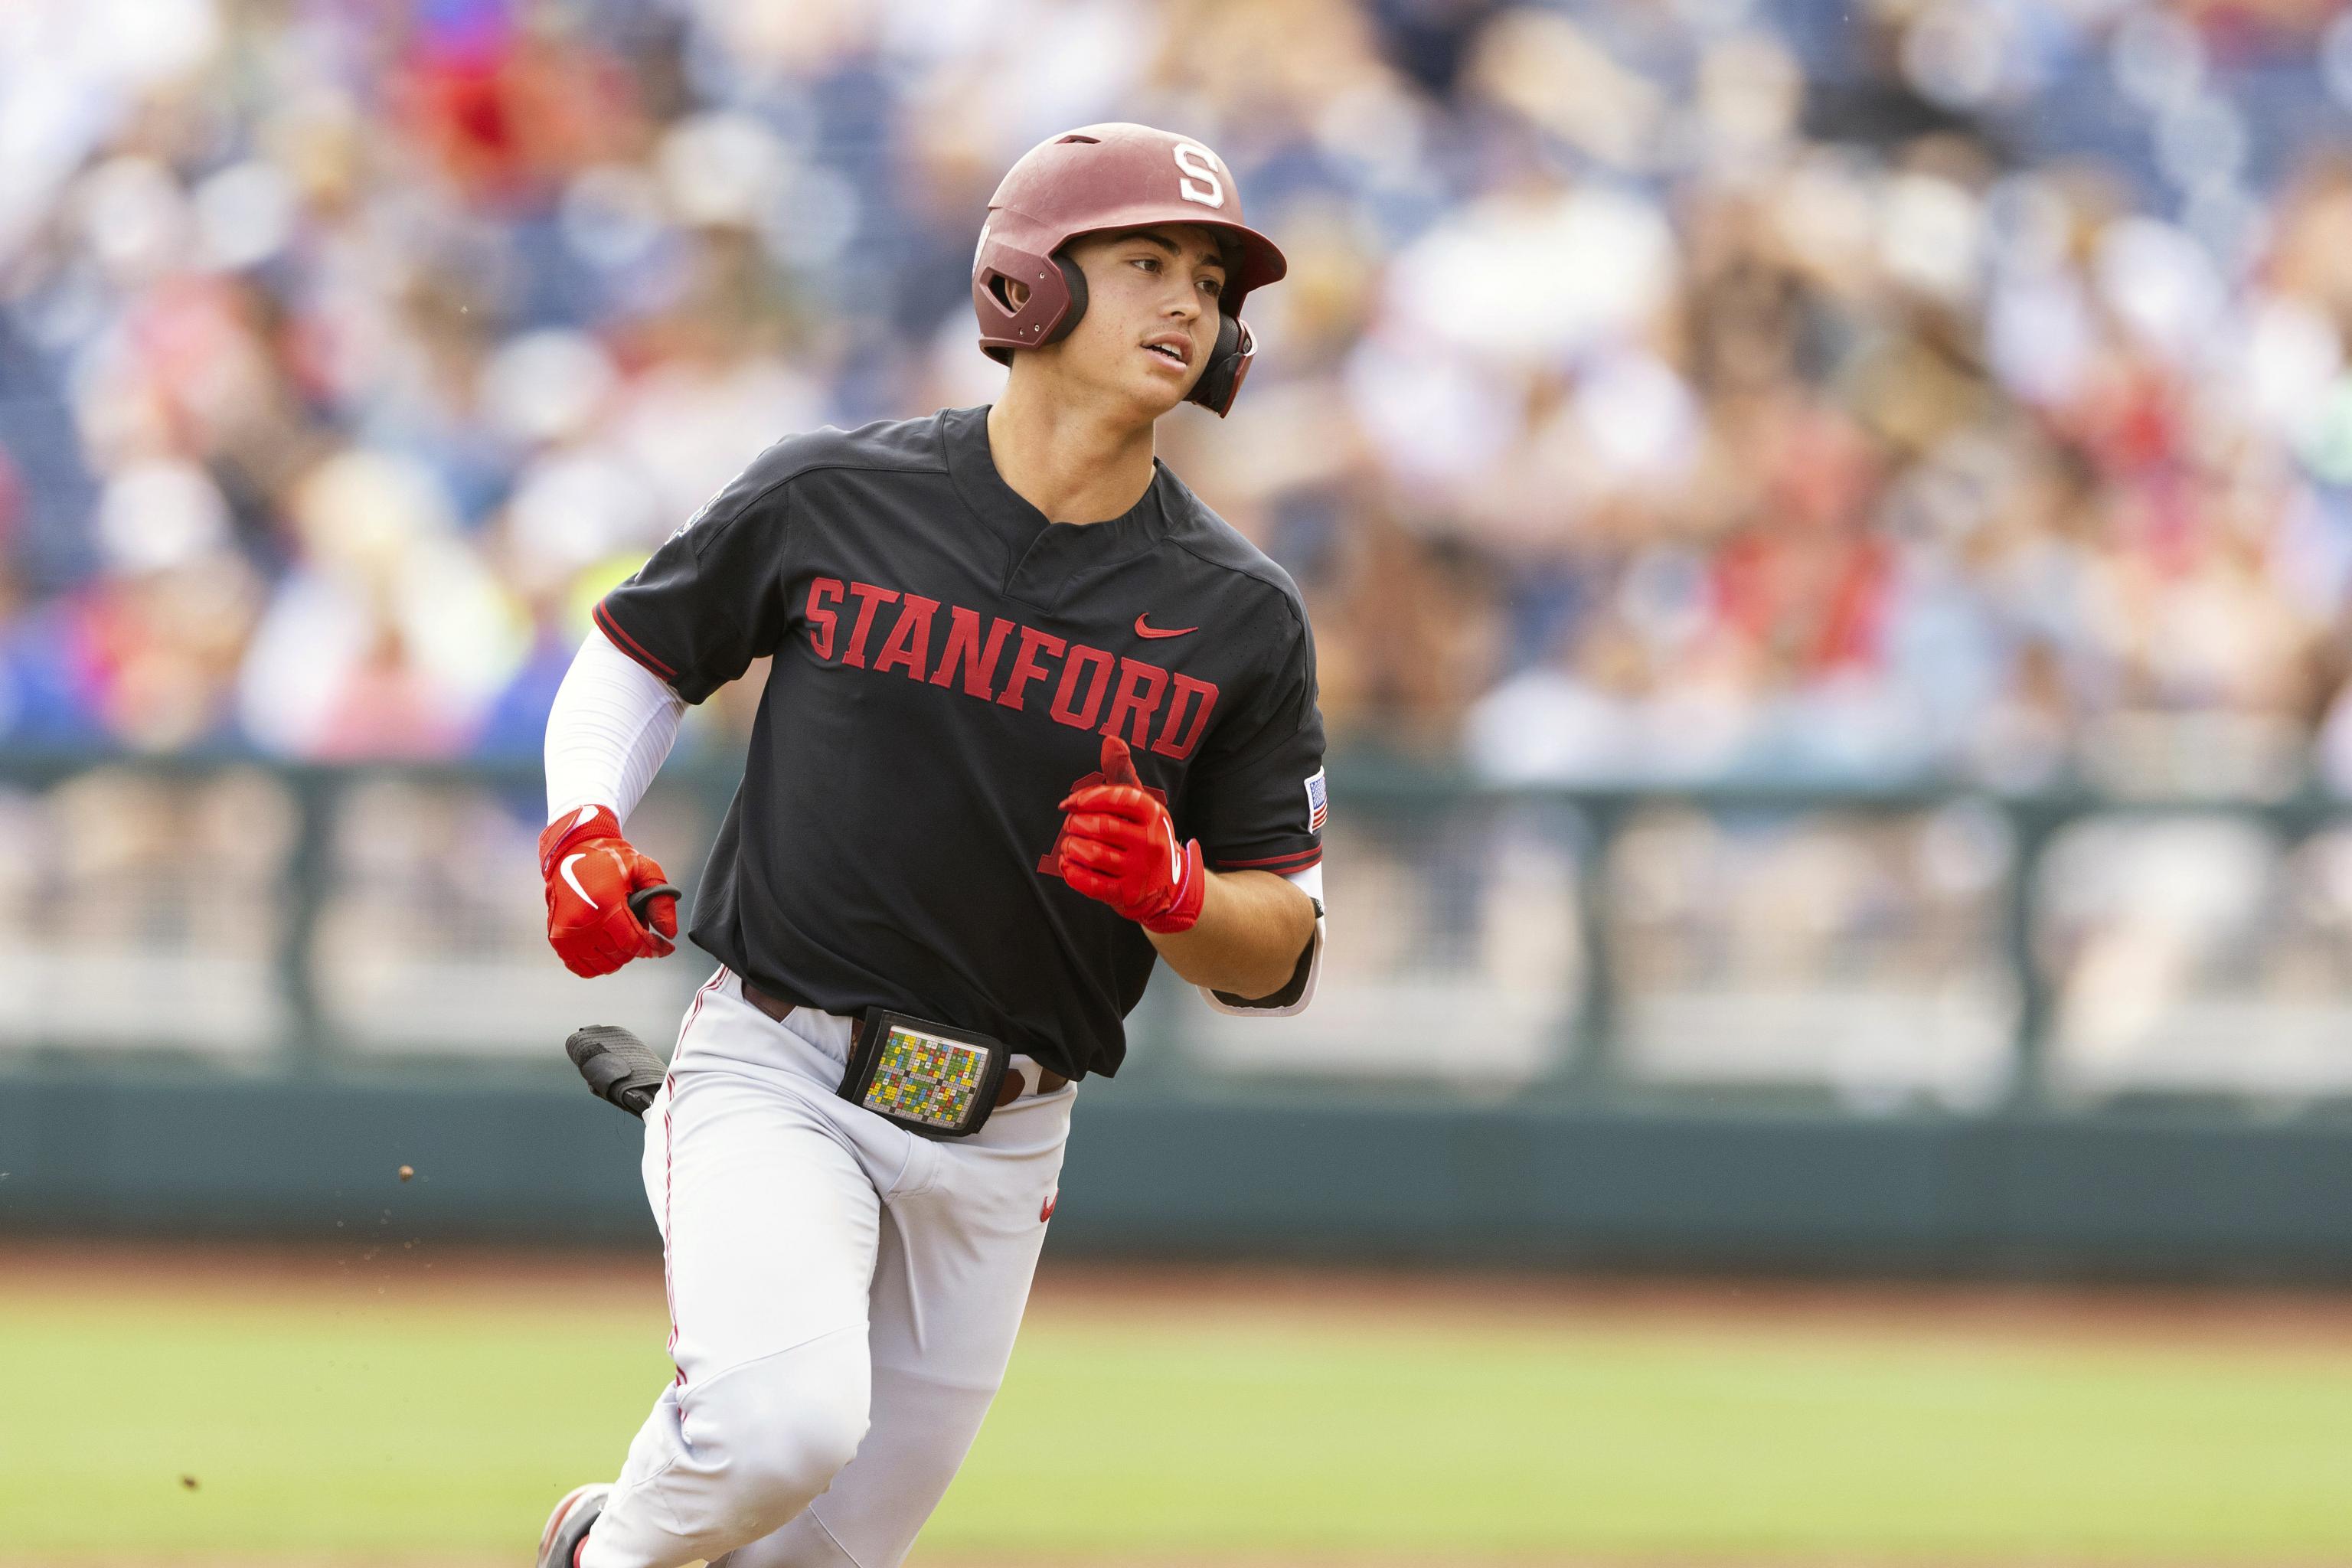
x,y
1829,530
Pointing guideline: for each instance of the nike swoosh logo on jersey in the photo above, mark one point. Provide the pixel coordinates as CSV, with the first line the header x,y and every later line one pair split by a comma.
x,y
1143,631
570,861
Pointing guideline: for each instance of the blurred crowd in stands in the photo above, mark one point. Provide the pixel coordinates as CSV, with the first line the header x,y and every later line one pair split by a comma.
x,y
1662,390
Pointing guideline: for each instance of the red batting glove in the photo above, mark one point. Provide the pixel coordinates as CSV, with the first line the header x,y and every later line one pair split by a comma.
x,y
1119,845
591,871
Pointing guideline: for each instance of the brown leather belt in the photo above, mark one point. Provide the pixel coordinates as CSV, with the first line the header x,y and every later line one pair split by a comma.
x,y
776,1007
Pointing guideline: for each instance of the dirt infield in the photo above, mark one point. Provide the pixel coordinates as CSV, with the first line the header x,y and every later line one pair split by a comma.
x,y
423,1274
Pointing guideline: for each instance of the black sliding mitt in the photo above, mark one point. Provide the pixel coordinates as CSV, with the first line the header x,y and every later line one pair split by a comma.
x,y
618,1066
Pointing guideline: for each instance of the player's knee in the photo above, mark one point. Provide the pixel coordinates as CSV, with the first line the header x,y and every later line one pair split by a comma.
x,y
793,1454
792,1423
821,1438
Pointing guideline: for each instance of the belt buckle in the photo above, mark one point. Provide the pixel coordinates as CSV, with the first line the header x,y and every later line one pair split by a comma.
x,y
930,1079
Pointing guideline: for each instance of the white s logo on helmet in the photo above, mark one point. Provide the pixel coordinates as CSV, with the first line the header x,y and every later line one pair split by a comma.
x,y
1201,181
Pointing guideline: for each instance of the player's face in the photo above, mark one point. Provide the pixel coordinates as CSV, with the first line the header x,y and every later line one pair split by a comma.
x,y
1151,314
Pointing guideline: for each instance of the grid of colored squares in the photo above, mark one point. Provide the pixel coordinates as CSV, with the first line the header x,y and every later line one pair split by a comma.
x,y
925,1079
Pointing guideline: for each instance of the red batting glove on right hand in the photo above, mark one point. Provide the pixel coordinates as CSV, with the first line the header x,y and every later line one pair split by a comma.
x,y
1118,845
591,871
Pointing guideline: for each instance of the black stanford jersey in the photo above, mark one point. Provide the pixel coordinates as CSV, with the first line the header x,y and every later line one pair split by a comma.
x,y
946,666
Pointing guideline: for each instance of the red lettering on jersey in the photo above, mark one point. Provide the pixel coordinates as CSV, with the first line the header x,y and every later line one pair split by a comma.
x,y
1026,671
1138,697
1081,657
868,598
963,642
909,647
1186,686
823,622
1088,682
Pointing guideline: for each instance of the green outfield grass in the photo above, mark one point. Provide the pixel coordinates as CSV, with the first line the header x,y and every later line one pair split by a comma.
x,y
351,1426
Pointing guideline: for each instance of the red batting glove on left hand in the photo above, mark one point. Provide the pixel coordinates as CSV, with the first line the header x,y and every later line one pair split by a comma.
x,y
1119,845
591,871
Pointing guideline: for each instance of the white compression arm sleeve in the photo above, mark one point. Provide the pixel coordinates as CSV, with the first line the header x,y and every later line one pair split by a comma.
x,y
613,722
1310,882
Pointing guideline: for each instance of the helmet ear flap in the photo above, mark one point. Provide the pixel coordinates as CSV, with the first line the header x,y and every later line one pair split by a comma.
x,y
1229,362
1075,283
1045,311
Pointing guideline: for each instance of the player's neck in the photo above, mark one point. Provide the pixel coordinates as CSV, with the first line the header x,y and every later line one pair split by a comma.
x,y
1074,464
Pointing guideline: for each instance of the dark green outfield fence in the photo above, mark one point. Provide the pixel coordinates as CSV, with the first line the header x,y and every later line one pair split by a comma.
x,y
2198,1132
2140,1195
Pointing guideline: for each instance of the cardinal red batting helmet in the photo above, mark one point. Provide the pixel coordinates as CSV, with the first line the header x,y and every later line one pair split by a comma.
x,y
1101,177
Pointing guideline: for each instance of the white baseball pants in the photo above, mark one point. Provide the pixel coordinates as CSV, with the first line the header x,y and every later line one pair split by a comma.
x,y
844,1297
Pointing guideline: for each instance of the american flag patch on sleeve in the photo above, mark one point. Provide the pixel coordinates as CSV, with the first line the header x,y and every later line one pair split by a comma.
x,y
1316,807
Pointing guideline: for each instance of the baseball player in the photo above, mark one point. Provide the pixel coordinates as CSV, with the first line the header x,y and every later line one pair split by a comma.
x,y
1035,718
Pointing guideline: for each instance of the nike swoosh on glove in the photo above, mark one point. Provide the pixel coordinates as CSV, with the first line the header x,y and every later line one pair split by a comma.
x,y
591,871
1119,845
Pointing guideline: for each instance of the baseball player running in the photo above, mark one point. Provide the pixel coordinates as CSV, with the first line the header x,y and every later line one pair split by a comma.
x,y
1035,718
